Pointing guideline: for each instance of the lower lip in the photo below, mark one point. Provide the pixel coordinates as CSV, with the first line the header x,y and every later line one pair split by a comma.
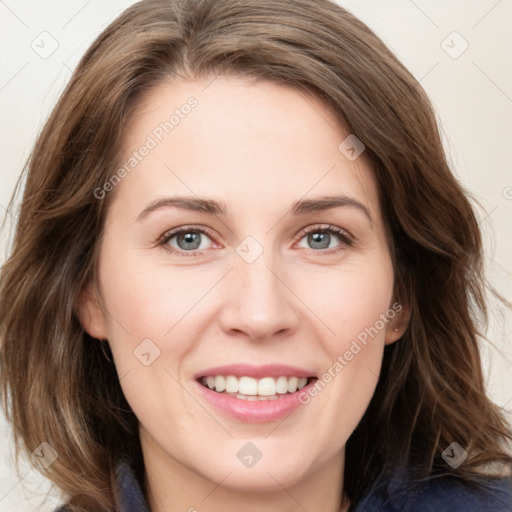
x,y
257,411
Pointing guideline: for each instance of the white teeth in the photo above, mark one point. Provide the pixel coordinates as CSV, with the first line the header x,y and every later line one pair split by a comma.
x,y
282,385
231,384
267,386
248,388
220,383
292,384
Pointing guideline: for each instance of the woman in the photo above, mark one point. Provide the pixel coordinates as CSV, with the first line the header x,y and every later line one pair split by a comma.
x,y
253,369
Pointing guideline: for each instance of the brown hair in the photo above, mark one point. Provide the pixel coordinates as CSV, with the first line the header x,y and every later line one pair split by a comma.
x,y
57,385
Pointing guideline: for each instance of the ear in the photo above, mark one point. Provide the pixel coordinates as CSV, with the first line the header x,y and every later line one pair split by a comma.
x,y
91,314
397,324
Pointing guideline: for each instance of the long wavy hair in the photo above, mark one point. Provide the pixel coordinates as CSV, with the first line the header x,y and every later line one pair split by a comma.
x,y
60,386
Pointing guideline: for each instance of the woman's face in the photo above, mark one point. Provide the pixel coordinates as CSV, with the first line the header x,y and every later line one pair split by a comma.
x,y
244,285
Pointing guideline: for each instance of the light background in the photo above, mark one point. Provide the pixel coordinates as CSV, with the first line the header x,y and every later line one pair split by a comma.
x,y
472,95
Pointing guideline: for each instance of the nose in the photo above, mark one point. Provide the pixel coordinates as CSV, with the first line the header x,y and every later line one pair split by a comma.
x,y
261,304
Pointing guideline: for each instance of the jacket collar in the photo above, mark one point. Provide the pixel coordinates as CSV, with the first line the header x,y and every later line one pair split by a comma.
x,y
389,493
131,497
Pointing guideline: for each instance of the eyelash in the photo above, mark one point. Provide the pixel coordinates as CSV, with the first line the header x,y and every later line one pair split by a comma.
x,y
345,238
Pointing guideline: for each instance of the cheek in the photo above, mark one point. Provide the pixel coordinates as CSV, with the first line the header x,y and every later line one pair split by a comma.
x,y
156,315
354,307
149,335
349,302
148,300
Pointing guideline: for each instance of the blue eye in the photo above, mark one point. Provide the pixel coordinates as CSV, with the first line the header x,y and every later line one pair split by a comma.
x,y
189,239
320,238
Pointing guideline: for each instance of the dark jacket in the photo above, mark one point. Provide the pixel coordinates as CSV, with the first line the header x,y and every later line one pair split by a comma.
x,y
443,494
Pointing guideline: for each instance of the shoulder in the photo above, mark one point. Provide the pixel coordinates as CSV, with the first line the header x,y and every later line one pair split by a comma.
x,y
129,488
449,493
400,494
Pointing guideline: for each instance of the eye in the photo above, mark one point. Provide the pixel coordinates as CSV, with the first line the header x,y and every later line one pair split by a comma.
x,y
185,241
320,237
188,240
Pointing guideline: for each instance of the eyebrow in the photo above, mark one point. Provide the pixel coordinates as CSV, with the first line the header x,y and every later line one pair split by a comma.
x,y
212,207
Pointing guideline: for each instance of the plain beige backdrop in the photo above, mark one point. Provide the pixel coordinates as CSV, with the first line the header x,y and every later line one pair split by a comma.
x,y
460,52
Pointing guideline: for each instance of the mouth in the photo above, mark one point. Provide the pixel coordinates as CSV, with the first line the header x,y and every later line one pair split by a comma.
x,y
253,389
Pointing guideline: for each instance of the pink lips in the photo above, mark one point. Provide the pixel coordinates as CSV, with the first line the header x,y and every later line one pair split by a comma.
x,y
257,372
254,411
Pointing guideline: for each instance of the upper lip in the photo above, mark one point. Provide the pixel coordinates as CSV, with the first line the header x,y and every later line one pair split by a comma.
x,y
257,372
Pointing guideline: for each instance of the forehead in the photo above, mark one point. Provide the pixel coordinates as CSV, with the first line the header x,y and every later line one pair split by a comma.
x,y
258,143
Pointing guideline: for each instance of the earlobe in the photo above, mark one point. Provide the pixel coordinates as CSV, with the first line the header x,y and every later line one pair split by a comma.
x,y
397,325
91,315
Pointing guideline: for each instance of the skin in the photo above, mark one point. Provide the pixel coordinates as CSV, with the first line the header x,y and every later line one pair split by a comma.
x,y
258,147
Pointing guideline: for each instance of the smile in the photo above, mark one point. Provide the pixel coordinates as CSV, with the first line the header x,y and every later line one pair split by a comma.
x,y
250,388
